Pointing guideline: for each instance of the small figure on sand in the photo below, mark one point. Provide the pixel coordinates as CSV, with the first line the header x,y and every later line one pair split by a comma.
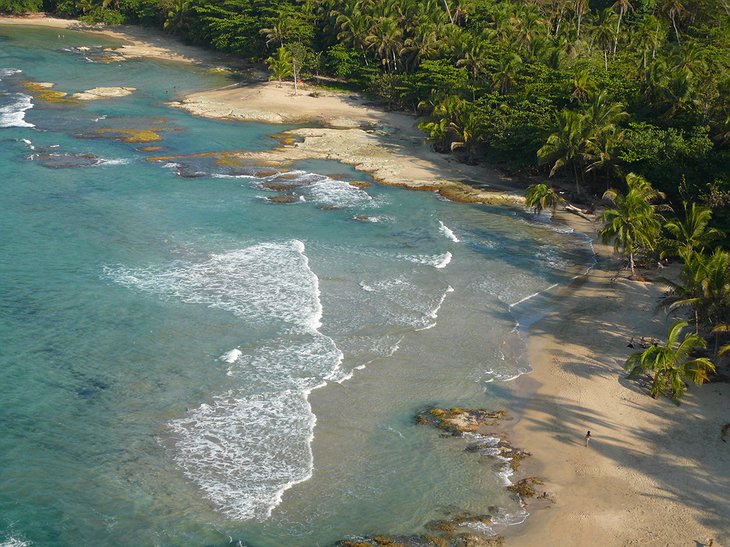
x,y
631,343
588,437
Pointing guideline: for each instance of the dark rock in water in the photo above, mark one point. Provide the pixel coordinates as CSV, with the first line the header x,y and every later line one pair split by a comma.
x,y
66,161
93,388
525,488
282,198
279,185
465,539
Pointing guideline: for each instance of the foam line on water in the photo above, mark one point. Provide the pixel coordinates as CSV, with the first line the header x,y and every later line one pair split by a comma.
x,y
448,232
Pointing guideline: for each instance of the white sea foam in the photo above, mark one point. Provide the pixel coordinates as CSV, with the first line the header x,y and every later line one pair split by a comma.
x,y
336,193
28,143
15,542
446,258
118,161
13,114
437,261
261,283
4,72
448,232
246,447
231,356
244,452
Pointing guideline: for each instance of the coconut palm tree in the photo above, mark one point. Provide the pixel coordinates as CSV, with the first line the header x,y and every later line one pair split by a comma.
x,y
633,223
541,196
672,363
621,7
603,33
581,6
567,145
704,287
692,234
280,64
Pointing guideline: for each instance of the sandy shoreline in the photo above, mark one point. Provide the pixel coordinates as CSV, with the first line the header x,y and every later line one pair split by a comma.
x,y
655,474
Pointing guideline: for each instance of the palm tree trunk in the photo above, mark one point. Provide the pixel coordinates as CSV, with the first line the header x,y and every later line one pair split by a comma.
x,y
577,181
674,24
605,60
618,28
631,264
448,12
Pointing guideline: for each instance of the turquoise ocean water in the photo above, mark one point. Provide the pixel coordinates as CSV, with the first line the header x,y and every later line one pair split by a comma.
x,y
183,362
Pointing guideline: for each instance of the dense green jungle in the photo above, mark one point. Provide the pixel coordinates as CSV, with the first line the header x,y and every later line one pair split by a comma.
x,y
627,101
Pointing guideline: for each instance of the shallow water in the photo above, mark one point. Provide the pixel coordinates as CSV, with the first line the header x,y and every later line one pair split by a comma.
x,y
187,363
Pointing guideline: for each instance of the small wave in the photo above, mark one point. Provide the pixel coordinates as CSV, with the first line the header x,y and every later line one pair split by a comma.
x,y
444,261
119,161
437,261
448,232
4,72
231,356
493,375
28,143
13,114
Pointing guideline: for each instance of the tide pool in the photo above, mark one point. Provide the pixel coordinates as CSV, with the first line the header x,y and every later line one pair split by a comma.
x,y
185,362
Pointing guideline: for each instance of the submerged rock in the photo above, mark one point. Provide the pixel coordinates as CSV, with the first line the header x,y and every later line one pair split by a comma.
x,y
458,421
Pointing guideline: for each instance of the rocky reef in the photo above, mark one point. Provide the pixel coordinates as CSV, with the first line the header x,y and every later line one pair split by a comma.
x,y
483,431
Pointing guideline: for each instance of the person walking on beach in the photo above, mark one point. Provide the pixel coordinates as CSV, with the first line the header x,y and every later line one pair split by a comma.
x,y
588,437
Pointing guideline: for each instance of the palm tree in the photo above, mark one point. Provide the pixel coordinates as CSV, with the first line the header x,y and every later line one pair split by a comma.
x,y
386,39
581,6
704,287
672,363
675,9
583,85
177,11
691,234
541,196
603,33
281,64
503,76
633,223
621,6
566,145
601,151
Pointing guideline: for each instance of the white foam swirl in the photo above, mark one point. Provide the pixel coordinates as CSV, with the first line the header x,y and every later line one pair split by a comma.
x,y
13,114
448,232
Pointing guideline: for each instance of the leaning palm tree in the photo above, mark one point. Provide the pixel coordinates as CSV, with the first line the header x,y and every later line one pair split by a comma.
x,y
541,196
672,363
633,223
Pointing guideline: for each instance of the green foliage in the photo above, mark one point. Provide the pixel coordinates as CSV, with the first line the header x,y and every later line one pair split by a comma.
x,y
672,363
541,196
633,224
20,6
